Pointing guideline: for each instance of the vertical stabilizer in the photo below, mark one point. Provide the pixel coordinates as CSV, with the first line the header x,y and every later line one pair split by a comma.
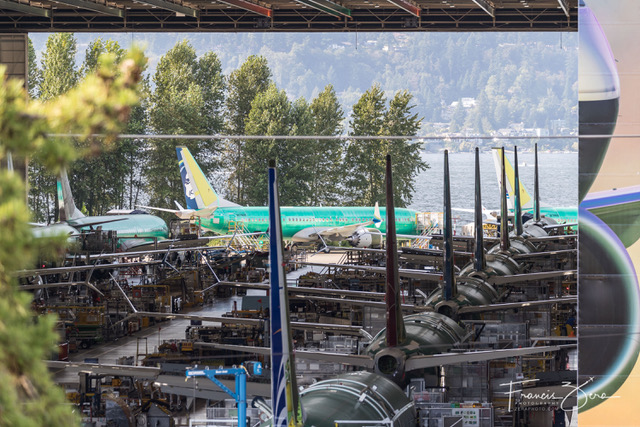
x,y
197,191
284,391
449,278
504,212
536,189
526,201
479,259
517,212
395,325
66,199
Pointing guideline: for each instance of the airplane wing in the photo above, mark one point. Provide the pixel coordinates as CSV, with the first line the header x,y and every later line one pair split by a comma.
x,y
79,223
107,369
413,363
441,359
424,275
308,290
404,272
305,326
514,305
526,277
344,231
337,233
362,303
182,214
76,268
345,359
618,208
192,244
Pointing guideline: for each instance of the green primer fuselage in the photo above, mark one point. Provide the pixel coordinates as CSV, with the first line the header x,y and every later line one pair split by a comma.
x,y
561,215
296,218
138,226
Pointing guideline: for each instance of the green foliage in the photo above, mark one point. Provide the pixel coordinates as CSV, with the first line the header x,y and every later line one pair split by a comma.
x,y
187,100
96,48
28,396
91,191
35,74
253,77
325,158
59,72
271,114
366,157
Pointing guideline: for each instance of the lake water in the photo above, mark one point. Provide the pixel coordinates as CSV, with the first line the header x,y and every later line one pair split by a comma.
x,y
558,180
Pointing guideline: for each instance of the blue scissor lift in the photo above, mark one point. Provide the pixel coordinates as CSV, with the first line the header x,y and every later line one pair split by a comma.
x,y
240,373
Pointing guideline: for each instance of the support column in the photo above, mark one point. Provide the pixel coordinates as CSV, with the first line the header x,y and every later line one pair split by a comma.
x,y
14,54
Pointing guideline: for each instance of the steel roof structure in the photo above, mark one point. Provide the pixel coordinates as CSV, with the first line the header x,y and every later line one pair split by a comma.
x,y
286,15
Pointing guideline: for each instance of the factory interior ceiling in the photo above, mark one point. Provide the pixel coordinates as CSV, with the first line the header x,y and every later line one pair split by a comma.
x,y
286,15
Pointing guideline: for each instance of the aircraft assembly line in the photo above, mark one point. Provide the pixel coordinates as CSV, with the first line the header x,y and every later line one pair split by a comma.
x,y
397,333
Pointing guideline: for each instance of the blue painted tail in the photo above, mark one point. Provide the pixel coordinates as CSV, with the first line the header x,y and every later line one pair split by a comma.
x,y
284,391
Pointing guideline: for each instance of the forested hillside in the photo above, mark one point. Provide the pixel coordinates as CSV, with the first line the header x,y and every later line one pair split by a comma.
x,y
513,78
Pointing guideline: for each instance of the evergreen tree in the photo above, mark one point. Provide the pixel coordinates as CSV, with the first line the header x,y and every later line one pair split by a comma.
x,y
96,194
366,158
59,73
244,84
186,100
405,153
326,163
58,76
35,74
270,115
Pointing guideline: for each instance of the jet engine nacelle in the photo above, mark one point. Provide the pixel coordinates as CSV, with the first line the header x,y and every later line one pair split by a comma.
x,y
366,238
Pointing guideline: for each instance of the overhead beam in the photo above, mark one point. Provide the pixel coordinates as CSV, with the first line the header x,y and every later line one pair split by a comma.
x,y
251,7
564,6
487,7
174,7
328,7
24,8
405,5
96,7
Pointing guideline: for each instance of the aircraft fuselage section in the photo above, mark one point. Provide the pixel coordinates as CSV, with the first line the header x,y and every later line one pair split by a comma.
x,y
295,219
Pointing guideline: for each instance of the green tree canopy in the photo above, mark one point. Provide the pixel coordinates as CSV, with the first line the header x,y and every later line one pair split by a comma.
x,y
58,75
325,160
366,158
253,77
187,100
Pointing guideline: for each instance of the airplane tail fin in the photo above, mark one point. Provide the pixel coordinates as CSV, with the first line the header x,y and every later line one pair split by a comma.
x,y
526,201
197,191
449,277
287,409
480,261
517,200
377,218
504,223
66,206
396,333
